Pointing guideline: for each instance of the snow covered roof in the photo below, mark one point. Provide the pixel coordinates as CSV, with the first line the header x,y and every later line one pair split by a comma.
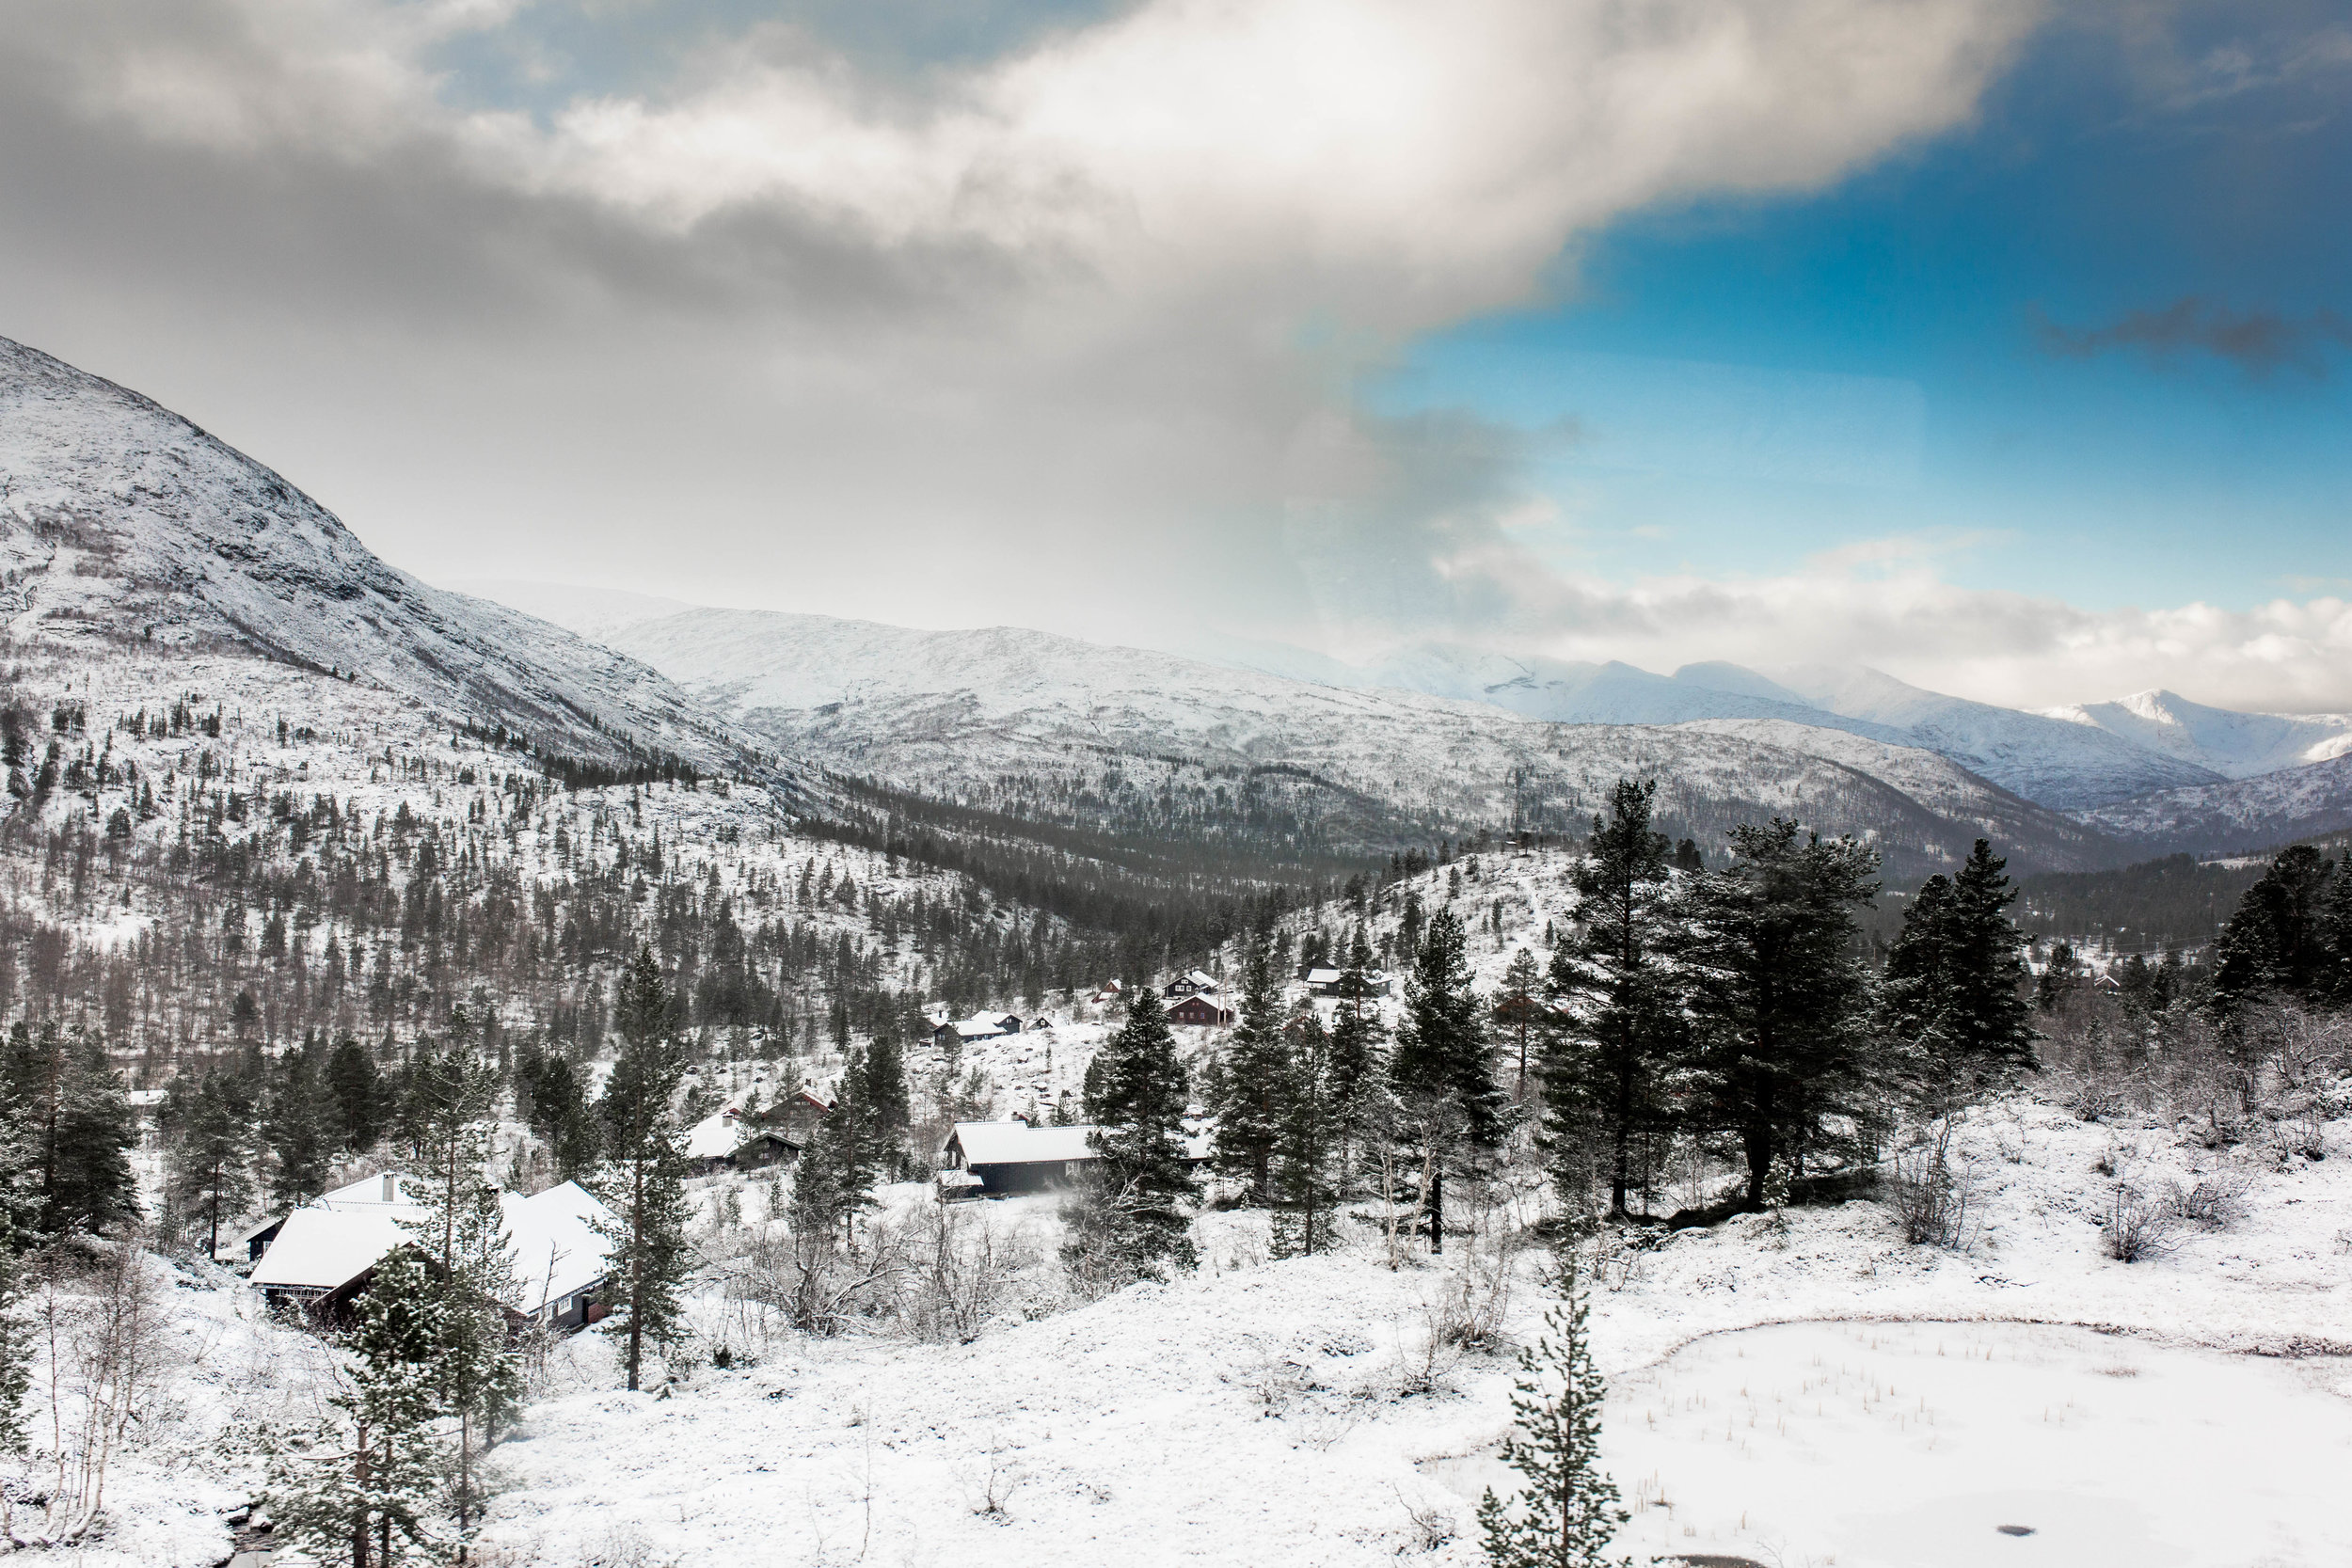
x,y
397,1188
1016,1142
1200,977
1323,977
714,1137
553,1239
555,1249
327,1249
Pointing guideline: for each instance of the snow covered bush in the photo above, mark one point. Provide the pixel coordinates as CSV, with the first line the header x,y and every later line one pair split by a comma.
x,y
1932,1198
2212,1204
2140,1226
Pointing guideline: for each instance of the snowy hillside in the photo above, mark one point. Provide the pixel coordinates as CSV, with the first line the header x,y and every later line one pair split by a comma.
x,y
2239,814
955,714
122,525
2060,759
2067,766
2233,745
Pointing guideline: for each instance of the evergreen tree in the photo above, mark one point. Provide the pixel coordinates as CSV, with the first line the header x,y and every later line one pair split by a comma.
x,y
1358,1071
560,1114
1308,1138
1246,1087
1604,1078
1567,1510
1519,1007
1953,993
73,1105
362,1489
208,1158
846,1154
1127,1219
20,1209
303,1127
2058,977
358,1096
1780,998
1440,1071
2275,942
643,1177
463,1231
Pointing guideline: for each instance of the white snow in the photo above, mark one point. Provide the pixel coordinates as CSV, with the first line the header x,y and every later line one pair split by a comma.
x,y
994,1143
326,1248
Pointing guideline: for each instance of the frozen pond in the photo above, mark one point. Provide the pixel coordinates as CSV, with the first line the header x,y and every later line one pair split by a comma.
x,y
1914,1444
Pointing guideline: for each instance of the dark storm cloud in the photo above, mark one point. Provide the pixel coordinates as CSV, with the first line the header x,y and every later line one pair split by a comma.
x,y
2259,342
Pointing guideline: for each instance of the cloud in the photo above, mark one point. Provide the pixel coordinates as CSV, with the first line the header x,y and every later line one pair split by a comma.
x,y
1888,604
2258,341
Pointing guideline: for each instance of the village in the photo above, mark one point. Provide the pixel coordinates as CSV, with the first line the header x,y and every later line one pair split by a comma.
x,y
311,1263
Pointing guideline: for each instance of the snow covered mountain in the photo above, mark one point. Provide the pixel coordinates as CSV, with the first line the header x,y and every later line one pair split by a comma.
x,y
2233,745
2070,767
124,527
1044,726
2235,816
2059,760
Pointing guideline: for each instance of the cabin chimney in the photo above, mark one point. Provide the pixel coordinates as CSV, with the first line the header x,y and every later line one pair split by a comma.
x,y
390,1193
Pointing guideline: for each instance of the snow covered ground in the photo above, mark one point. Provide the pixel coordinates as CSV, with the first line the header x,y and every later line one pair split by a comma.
x,y
1291,1412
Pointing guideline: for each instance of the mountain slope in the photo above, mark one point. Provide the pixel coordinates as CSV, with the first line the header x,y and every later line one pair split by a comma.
x,y
2235,814
2233,745
122,525
1056,729
2068,766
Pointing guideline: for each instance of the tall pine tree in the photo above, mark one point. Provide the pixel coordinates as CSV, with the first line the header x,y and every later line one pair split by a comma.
x,y
1128,1219
642,1181
1954,991
1444,1081
1604,1077
1247,1086
1781,999
208,1158
1308,1138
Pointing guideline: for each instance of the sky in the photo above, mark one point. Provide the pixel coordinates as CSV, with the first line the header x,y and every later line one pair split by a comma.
x,y
2002,345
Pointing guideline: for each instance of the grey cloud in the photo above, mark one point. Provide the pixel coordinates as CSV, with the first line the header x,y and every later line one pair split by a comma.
x,y
2259,342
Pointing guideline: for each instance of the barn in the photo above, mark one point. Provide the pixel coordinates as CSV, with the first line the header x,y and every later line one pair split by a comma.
x,y
1004,1157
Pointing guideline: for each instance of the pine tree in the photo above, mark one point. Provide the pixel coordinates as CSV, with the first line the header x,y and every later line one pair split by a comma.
x,y
1567,1510
363,1487
1603,1078
643,1177
302,1127
1520,1008
208,1160
1953,993
1441,1071
60,1087
2275,945
463,1231
358,1096
1780,999
1246,1087
19,1208
1127,1219
1308,1138
1358,1072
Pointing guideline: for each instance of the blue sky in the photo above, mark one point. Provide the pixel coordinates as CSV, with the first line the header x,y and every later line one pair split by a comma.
x,y
1723,386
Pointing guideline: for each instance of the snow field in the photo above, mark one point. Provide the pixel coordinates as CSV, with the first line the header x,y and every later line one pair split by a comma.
x,y
1910,1445
1264,1412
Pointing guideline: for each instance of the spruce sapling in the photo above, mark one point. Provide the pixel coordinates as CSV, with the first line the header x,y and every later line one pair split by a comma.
x,y
1567,1510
